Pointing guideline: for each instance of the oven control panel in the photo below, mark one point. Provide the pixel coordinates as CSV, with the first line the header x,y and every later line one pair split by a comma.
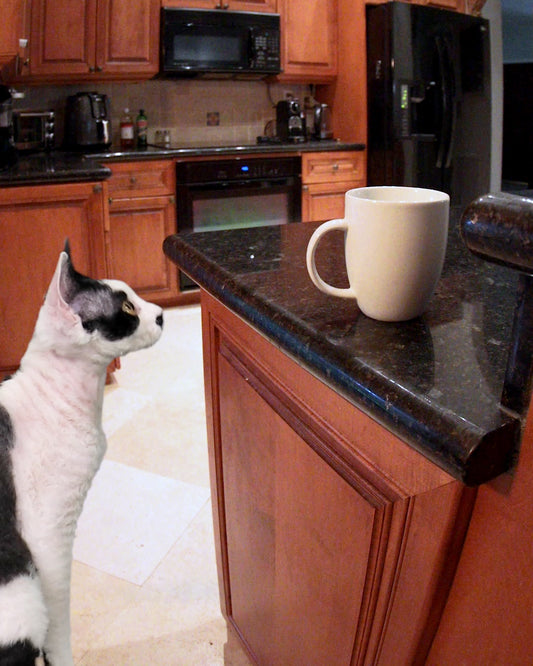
x,y
217,171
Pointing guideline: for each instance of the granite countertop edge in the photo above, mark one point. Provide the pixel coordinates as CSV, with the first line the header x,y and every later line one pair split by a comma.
x,y
160,152
456,445
71,167
52,169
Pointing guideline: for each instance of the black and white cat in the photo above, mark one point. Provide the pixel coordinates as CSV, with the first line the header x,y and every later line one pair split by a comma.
x,y
51,445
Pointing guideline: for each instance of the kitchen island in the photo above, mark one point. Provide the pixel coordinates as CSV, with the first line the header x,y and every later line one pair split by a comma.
x,y
346,457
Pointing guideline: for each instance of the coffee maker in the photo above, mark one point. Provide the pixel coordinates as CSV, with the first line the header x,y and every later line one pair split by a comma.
x,y
8,152
290,125
87,121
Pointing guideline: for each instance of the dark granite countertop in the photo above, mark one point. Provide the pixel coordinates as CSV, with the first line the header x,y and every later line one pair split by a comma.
x,y
50,168
197,149
435,382
71,167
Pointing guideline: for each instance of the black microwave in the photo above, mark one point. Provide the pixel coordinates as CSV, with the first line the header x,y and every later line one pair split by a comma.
x,y
203,42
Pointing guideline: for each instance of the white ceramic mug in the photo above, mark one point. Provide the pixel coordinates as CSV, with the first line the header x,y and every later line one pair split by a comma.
x,y
395,243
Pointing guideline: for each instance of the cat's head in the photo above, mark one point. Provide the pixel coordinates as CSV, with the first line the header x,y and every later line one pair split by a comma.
x,y
101,319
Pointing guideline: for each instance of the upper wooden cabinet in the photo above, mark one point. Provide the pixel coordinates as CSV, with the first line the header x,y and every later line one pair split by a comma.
x,y
93,40
236,5
12,29
465,6
308,40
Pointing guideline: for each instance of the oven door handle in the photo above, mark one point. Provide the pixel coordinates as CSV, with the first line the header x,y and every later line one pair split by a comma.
x,y
286,181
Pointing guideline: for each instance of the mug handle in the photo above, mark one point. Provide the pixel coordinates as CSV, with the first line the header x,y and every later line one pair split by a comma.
x,y
310,257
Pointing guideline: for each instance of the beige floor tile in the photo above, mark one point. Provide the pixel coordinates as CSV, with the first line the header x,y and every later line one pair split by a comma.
x,y
145,514
164,441
97,599
174,617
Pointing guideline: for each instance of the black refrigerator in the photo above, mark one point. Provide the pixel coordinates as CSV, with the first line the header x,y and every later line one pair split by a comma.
x,y
429,100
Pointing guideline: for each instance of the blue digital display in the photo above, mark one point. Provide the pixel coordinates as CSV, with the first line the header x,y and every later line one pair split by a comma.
x,y
245,168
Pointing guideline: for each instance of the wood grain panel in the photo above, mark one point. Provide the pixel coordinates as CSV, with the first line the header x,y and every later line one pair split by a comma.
x,y
323,555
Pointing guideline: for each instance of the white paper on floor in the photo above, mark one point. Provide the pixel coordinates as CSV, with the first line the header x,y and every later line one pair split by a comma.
x,y
131,519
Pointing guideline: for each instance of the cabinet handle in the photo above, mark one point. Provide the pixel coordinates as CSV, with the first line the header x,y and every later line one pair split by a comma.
x,y
19,64
97,189
91,70
171,199
99,69
110,200
305,188
133,180
335,167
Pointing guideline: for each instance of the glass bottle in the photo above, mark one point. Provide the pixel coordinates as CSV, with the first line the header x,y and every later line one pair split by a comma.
x,y
142,130
127,134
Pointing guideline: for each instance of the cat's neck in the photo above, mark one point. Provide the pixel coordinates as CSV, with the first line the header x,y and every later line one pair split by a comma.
x,y
69,377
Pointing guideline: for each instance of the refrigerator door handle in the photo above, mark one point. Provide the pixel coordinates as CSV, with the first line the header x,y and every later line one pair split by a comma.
x,y
448,120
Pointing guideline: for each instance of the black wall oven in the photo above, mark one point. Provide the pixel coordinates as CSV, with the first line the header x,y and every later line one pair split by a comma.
x,y
237,193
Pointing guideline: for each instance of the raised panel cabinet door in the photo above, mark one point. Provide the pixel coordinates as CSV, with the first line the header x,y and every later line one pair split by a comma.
x,y
322,202
193,4
308,40
127,37
336,543
34,223
235,5
134,239
62,40
12,27
253,5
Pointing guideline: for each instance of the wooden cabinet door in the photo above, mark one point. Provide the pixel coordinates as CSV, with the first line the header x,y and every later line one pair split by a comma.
x,y
193,4
12,28
127,37
63,34
134,239
235,5
324,201
336,542
326,178
308,40
455,5
34,223
253,5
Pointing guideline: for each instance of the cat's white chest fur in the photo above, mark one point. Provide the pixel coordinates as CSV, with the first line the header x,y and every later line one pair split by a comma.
x,y
58,447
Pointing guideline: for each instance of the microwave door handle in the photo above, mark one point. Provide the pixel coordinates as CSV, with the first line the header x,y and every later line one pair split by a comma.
x,y
252,53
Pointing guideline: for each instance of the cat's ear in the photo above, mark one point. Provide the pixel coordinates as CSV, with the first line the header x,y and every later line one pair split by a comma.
x,y
60,288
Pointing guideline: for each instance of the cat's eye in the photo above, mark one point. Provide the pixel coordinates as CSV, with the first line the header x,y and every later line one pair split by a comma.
x,y
128,308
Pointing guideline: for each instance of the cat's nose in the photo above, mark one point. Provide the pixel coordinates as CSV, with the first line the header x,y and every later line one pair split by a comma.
x,y
159,320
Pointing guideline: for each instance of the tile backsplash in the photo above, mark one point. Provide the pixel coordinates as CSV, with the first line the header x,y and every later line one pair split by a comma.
x,y
193,110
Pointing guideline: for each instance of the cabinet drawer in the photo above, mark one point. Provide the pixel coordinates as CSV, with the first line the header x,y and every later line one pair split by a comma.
x,y
147,178
333,167
324,201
